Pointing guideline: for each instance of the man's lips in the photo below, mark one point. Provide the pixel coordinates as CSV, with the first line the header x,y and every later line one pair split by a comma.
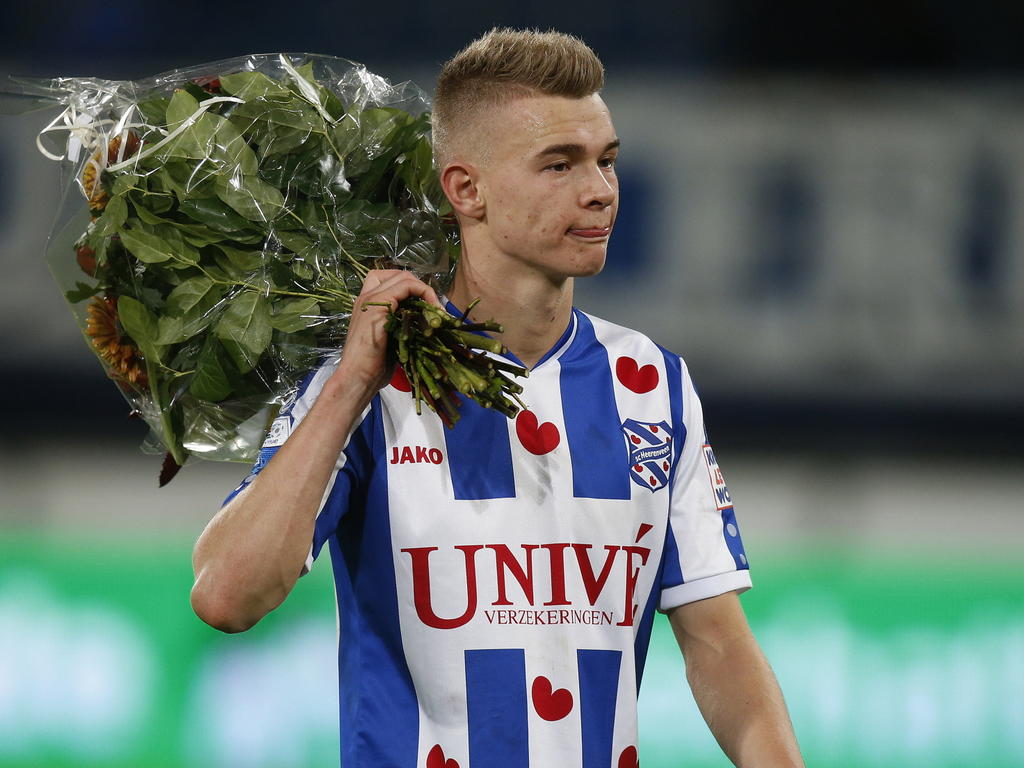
x,y
595,232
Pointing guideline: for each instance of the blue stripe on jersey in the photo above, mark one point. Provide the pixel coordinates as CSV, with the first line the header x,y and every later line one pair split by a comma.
x,y
599,686
353,474
496,703
731,531
642,641
453,310
558,344
593,430
672,574
479,454
375,684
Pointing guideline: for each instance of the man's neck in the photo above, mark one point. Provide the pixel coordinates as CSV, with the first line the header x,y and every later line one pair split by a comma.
x,y
533,310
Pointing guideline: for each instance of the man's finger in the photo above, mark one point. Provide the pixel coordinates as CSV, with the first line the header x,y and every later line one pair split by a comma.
x,y
396,286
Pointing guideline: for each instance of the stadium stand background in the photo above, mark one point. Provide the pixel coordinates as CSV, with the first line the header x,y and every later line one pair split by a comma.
x,y
823,210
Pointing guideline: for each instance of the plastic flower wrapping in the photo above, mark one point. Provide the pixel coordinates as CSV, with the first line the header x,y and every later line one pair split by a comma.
x,y
217,227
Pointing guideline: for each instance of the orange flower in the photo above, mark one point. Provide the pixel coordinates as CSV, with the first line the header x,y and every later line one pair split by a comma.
x,y
86,258
111,344
94,190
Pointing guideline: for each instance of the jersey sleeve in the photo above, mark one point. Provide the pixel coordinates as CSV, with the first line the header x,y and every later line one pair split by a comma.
x,y
704,553
349,470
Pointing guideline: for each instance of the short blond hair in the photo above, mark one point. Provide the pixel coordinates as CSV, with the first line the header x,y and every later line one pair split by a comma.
x,y
505,64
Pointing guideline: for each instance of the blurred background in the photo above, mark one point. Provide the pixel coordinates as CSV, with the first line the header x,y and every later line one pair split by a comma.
x,y
822,210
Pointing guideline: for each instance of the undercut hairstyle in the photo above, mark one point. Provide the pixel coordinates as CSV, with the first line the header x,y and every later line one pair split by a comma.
x,y
503,65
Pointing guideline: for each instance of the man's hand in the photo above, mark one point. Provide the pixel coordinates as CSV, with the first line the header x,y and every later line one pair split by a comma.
x,y
253,551
733,685
365,365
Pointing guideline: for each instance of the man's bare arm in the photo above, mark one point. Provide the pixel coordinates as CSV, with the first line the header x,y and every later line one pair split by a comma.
x,y
733,685
253,550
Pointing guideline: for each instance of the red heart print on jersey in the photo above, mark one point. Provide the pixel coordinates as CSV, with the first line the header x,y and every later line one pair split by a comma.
x,y
435,759
537,439
400,381
551,705
629,758
638,379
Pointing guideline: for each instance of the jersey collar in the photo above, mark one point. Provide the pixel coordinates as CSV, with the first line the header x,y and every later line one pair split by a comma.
x,y
556,351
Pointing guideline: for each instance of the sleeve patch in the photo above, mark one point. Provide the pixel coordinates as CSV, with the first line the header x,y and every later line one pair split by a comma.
x,y
718,487
279,431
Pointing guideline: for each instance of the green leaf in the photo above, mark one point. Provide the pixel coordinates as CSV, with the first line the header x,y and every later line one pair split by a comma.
x,y
183,105
145,247
279,140
155,245
291,112
210,382
311,213
124,183
345,134
330,101
196,91
189,309
185,178
214,139
199,236
252,85
244,261
294,315
169,330
194,142
302,270
151,297
217,216
386,134
296,242
245,329
298,351
140,324
154,110
186,355
251,197
80,292
230,148
113,217
195,294
171,234
159,203
146,215
312,169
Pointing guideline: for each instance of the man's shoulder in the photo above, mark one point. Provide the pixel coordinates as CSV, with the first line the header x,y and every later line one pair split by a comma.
x,y
621,339
301,397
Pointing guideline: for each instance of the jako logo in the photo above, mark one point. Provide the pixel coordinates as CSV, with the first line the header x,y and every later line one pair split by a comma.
x,y
422,455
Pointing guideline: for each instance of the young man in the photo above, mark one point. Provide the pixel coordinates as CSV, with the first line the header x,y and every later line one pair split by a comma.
x,y
497,582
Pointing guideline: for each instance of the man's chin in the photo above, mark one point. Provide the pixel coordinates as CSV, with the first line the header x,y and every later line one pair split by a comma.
x,y
590,267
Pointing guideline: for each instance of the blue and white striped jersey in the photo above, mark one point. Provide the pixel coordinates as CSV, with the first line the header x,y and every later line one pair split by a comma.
x,y
497,582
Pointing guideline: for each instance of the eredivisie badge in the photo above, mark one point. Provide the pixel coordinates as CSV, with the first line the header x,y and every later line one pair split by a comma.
x,y
650,452
723,498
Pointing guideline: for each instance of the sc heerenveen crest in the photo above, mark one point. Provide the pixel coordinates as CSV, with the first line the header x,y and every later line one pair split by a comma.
x,y
650,452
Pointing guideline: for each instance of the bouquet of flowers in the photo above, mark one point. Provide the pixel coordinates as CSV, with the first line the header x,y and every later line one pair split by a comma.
x,y
230,214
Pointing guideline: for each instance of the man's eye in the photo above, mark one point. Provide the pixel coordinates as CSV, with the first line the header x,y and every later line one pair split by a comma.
x,y
607,162
558,167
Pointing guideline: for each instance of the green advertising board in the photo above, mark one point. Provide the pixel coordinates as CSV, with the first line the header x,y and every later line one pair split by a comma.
x,y
885,660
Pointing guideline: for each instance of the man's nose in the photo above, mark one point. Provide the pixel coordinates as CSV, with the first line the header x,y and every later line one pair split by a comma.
x,y
602,189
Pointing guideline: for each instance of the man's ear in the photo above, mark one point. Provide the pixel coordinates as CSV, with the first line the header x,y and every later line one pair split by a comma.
x,y
460,184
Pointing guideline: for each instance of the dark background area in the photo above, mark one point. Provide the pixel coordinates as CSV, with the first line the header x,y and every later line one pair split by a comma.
x,y
858,44
716,37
